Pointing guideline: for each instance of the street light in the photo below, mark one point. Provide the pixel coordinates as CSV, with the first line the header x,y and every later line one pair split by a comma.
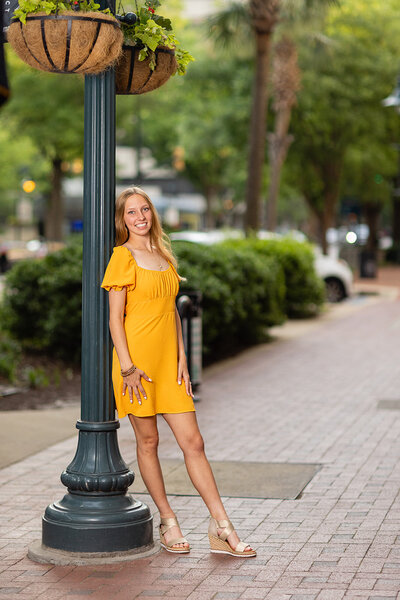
x,y
96,519
28,186
393,101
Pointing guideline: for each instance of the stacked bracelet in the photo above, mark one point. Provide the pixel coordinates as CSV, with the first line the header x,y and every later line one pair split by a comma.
x,y
129,371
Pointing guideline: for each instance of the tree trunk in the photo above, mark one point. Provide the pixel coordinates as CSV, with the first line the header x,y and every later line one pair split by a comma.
x,y
54,217
372,214
279,143
257,132
396,214
325,212
331,177
210,194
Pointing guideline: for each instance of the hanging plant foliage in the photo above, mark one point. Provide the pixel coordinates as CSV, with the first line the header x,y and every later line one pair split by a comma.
x,y
151,52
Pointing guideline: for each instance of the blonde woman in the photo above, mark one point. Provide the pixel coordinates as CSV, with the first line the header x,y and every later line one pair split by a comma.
x,y
150,374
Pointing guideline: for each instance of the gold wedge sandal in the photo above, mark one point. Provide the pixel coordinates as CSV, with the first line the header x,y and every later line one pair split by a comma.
x,y
219,544
165,525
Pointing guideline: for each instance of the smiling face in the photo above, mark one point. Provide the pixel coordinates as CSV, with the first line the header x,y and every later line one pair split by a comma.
x,y
138,216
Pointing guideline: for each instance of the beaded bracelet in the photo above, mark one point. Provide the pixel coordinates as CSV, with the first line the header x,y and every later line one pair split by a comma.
x,y
129,371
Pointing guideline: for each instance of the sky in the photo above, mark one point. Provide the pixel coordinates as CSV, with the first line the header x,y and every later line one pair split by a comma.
x,y
200,8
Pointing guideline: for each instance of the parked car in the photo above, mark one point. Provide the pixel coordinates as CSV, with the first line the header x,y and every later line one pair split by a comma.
x,y
336,273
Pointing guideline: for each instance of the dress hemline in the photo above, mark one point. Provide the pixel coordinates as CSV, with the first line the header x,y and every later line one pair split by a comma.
x,y
169,412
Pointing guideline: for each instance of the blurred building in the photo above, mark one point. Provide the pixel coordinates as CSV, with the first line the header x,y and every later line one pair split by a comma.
x,y
178,203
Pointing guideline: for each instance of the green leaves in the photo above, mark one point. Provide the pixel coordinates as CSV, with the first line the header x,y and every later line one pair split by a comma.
x,y
183,58
34,6
27,7
151,31
150,34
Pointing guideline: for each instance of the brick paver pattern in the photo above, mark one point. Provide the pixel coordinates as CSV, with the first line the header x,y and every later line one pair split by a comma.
x,y
308,399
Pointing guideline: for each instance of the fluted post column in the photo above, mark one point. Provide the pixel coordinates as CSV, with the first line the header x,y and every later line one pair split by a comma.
x,y
96,515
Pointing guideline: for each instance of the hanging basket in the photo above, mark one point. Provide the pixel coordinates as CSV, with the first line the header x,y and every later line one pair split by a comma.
x,y
69,42
134,76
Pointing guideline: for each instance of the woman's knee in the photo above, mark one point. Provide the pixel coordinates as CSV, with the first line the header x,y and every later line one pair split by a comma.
x,y
194,445
147,444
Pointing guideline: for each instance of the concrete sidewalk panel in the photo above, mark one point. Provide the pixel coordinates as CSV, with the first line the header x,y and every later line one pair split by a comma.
x,y
25,432
237,479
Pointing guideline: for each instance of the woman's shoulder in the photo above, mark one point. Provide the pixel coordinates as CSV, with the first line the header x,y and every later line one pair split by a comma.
x,y
122,254
120,270
117,249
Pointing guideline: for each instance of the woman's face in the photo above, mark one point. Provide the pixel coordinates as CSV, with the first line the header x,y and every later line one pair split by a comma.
x,y
137,215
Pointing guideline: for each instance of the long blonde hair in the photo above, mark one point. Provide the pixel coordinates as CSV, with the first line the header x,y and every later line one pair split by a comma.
x,y
158,239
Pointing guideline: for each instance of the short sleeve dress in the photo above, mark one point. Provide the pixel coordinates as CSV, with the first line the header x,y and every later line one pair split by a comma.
x,y
150,328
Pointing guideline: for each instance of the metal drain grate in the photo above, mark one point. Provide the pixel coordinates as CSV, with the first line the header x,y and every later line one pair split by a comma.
x,y
389,404
237,479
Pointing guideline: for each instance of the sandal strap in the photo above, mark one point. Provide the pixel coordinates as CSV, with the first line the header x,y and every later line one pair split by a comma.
x,y
241,547
175,541
227,528
168,523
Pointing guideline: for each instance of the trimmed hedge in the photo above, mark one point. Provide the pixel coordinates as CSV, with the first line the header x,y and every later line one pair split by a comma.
x,y
42,303
305,291
243,293
247,286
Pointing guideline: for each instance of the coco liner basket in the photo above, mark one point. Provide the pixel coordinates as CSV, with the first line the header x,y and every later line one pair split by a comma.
x,y
134,76
69,42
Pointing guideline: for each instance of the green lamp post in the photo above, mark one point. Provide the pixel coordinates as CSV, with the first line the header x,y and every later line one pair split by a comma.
x,y
96,515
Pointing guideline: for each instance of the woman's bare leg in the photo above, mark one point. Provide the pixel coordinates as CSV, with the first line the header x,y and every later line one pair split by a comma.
x,y
146,433
186,431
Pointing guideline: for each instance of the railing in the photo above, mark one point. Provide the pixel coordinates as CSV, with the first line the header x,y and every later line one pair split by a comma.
x,y
189,308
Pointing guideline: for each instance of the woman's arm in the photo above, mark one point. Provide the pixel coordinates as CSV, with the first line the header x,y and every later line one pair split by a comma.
x,y
117,316
183,372
117,300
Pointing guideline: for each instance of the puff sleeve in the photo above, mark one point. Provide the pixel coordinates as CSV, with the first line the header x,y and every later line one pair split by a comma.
x,y
121,271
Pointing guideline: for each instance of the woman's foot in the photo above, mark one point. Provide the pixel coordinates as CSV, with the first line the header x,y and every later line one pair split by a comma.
x,y
171,536
233,540
224,540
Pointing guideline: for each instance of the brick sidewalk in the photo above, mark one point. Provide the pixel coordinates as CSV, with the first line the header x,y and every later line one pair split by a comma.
x,y
387,276
307,399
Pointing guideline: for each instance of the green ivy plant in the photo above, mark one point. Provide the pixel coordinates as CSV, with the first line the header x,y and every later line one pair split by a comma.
x,y
152,30
49,7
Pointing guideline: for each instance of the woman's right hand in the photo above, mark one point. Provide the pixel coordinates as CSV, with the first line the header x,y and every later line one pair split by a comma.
x,y
134,384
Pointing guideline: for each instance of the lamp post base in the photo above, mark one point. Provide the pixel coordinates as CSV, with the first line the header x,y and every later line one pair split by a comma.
x,y
97,514
85,523
40,553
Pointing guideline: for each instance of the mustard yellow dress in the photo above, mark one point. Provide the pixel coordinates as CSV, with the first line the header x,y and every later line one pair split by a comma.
x,y
150,327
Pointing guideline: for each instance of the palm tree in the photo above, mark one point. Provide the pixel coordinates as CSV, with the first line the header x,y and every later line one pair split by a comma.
x,y
285,83
264,16
237,22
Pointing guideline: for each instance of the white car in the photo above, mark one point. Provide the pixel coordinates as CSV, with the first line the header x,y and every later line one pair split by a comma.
x,y
336,273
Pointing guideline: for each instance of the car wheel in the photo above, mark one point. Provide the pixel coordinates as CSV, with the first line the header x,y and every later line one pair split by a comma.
x,y
335,291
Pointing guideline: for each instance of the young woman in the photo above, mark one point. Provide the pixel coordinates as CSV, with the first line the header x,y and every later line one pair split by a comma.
x,y
150,374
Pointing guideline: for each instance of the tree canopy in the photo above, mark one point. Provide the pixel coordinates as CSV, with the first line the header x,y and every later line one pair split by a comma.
x,y
343,136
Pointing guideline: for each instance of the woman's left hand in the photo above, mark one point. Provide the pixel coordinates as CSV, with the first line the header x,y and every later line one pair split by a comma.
x,y
183,375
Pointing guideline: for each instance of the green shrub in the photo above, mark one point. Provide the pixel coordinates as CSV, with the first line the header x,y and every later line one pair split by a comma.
x,y
42,303
305,291
242,293
247,286
10,355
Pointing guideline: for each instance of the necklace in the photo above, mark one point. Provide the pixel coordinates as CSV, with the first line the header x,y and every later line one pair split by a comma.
x,y
132,250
